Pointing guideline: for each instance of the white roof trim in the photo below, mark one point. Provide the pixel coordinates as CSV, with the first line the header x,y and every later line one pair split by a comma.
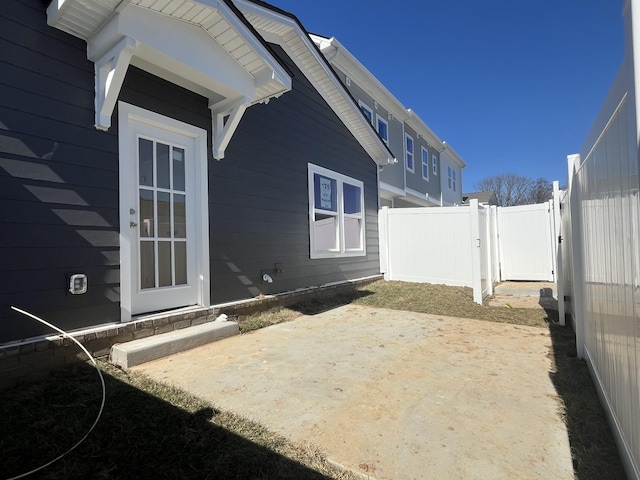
x,y
422,129
342,58
389,191
423,198
283,30
453,156
338,55
211,51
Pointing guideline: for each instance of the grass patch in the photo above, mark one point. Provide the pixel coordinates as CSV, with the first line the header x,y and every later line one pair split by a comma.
x,y
151,430
148,430
447,301
594,451
265,319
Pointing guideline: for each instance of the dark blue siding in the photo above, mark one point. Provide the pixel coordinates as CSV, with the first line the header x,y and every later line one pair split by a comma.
x,y
58,179
59,182
259,196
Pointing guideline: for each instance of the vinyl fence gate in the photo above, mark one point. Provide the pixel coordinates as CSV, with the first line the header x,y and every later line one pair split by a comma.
x,y
472,245
526,239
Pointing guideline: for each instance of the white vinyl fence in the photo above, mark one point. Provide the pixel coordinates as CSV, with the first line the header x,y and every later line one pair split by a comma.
x,y
600,250
448,246
471,246
527,242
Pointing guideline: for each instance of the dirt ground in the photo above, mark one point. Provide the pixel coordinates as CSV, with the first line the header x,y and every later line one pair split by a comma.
x,y
510,301
392,394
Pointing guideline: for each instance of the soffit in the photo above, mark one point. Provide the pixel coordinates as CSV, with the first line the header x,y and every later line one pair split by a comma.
x,y
85,18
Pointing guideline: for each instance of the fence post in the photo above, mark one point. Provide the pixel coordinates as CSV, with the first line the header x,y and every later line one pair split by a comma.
x,y
476,251
576,252
489,246
557,245
383,232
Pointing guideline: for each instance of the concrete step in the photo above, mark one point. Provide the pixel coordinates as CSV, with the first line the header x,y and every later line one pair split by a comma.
x,y
136,352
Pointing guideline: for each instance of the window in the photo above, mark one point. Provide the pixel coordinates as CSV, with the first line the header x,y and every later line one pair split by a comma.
x,y
452,178
408,149
367,111
425,163
434,161
336,214
383,128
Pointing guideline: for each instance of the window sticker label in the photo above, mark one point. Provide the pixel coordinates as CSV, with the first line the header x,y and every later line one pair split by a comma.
x,y
325,193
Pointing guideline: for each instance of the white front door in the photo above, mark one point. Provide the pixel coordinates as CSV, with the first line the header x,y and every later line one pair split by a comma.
x,y
163,243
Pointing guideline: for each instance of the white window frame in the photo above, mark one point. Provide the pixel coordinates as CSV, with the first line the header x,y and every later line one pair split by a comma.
x,y
364,106
434,161
411,169
452,176
424,153
340,179
380,120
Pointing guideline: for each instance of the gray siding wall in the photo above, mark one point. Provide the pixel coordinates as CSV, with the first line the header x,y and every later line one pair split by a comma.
x,y
392,174
259,196
58,179
59,182
449,196
414,180
432,185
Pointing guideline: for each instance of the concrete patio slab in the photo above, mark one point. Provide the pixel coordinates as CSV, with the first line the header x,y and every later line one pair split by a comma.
x,y
392,395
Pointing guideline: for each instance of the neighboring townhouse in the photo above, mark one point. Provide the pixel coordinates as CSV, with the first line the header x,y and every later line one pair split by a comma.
x,y
487,198
419,179
161,155
451,165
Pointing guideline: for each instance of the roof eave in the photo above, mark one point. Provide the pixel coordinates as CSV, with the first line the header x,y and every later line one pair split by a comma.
x,y
284,29
338,55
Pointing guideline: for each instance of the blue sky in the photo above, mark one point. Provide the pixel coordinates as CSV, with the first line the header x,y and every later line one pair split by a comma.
x,y
512,86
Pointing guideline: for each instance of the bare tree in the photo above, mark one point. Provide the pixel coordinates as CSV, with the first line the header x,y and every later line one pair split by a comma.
x,y
510,189
541,191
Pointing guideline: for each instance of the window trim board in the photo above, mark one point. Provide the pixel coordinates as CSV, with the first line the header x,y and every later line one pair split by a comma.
x,y
340,179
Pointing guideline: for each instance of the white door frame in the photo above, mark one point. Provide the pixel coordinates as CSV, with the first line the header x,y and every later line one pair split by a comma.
x,y
128,115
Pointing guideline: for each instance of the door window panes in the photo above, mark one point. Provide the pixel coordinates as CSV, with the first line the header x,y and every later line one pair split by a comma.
x,y
179,216
164,215
178,169
164,264
162,208
181,263
145,162
147,213
147,265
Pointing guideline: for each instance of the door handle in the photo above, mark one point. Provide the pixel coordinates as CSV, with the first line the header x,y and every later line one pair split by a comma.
x,y
133,224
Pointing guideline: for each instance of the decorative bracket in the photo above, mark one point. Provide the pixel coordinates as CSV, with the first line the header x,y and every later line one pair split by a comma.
x,y
225,117
110,71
